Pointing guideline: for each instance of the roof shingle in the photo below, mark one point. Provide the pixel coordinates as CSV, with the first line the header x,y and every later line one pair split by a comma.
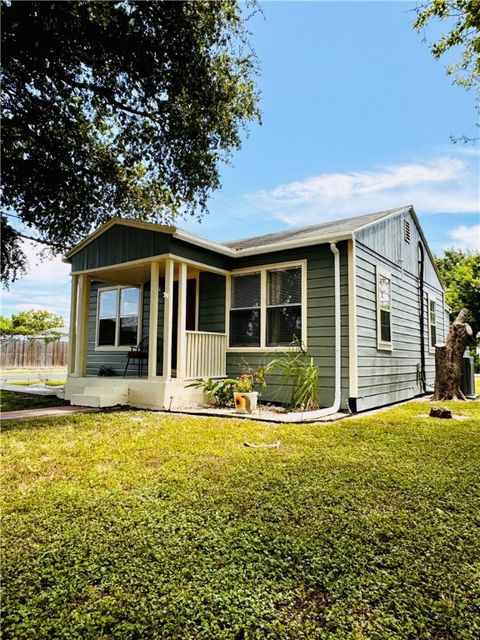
x,y
334,227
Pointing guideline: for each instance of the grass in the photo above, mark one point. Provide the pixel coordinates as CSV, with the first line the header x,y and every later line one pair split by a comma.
x,y
12,401
142,525
34,370
29,383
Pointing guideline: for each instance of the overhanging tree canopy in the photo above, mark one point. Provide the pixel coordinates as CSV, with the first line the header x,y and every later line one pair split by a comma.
x,y
117,108
460,34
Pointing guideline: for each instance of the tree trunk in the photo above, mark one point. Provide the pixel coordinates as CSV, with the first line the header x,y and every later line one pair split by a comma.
x,y
448,359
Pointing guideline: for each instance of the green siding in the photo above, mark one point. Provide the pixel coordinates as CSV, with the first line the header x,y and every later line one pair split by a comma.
x,y
123,243
120,244
320,321
386,238
199,254
211,307
391,376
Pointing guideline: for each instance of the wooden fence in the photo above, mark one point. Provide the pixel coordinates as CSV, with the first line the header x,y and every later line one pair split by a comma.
x,y
32,353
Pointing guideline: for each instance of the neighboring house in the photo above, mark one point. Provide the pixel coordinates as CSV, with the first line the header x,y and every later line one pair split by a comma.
x,y
363,294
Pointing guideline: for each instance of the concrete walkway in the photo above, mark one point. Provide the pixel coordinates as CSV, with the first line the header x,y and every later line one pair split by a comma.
x,y
32,389
44,413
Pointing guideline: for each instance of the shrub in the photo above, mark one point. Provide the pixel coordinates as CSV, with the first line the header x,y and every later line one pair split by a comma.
x,y
217,392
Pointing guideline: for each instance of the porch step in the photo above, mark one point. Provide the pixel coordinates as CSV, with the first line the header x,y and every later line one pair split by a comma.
x,y
91,389
105,399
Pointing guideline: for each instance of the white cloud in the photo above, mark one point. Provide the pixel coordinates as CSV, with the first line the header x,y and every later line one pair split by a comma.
x,y
22,297
466,237
441,185
46,286
44,270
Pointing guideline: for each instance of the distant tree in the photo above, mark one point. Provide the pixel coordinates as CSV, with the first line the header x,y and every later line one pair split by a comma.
x,y
463,33
460,271
119,108
5,326
35,324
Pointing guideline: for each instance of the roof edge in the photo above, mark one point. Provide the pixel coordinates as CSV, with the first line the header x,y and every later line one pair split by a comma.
x,y
295,243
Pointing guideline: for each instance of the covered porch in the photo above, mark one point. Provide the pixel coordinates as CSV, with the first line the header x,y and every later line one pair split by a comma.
x,y
173,307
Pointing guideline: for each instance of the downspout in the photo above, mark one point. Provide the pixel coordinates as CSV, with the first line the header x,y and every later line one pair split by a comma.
x,y
421,266
312,415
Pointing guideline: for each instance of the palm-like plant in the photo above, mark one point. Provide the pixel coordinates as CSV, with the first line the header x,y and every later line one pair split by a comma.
x,y
299,371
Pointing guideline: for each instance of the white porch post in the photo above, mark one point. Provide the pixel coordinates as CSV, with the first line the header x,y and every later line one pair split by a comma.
x,y
182,321
153,323
72,336
167,320
82,325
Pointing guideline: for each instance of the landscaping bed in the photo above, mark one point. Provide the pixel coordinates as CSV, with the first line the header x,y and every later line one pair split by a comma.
x,y
138,524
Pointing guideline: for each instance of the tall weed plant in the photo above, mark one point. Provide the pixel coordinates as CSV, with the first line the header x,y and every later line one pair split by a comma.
x,y
299,372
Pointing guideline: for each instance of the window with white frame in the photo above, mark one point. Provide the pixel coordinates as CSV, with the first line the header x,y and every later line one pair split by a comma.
x,y
384,310
284,306
117,322
245,310
266,307
432,323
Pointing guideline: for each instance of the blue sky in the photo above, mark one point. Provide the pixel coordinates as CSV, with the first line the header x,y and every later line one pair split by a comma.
x,y
356,117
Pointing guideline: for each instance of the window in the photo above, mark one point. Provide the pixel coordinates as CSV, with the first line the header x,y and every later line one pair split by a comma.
x,y
432,324
406,231
118,317
245,311
107,317
384,310
284,306
266,307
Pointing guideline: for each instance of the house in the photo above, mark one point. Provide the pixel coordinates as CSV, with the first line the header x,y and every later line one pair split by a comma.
x,y
362,293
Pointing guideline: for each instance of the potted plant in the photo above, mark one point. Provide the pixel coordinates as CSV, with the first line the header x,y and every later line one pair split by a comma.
x,y
244,396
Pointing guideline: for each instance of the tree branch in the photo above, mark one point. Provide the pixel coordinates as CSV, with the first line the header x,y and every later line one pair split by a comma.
x,y
101,91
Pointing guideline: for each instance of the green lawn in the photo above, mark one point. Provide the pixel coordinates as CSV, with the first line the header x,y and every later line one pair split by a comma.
x,y
29,383
34,371
141,525
13,401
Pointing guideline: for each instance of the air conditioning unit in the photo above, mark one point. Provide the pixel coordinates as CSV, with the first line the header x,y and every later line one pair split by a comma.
x,y
467,384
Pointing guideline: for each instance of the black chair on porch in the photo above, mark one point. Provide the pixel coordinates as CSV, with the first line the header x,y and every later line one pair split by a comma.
x,y
139,353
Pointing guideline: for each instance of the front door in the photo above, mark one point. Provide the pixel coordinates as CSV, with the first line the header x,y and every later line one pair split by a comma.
x,y
191,314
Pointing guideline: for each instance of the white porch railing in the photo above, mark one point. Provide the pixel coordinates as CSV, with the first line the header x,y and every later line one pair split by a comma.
x,y
206,354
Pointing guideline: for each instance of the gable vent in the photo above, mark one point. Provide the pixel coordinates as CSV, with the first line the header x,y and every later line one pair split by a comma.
x,y
406,230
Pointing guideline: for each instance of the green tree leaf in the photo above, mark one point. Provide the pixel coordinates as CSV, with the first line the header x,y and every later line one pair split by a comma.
x,y
118,108
460,271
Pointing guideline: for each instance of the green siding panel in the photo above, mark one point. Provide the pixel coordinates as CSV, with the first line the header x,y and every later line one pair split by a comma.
x,y
391,376
123,243
199,254
120,244
386,238
211,305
